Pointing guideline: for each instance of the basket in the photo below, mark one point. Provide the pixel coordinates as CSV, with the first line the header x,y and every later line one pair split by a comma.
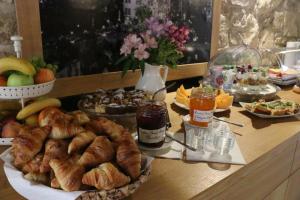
x,y
118,193
39,191
29,91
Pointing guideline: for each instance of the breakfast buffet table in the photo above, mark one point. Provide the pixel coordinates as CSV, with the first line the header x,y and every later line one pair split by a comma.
x,y
271,148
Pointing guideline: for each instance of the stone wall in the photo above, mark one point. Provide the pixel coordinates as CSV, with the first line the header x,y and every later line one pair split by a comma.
x,y
260,23
8,26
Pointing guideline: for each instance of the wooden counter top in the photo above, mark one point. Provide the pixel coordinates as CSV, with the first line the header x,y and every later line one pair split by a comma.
x,y
268,145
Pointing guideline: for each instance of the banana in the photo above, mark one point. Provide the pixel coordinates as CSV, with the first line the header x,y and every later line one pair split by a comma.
x,y
10,105
16,64
37,106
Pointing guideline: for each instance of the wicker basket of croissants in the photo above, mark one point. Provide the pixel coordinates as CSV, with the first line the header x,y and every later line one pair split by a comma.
x,y
72,152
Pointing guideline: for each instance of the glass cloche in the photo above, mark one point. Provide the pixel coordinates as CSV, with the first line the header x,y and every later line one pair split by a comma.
x,y
238,70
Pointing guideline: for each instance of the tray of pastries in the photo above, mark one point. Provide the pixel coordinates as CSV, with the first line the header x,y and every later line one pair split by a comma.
x,y
117,105
273,109
111,102
73,155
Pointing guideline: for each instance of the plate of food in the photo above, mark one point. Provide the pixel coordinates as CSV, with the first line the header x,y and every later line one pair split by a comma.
x,y
59,158
273,109
118,105
223,100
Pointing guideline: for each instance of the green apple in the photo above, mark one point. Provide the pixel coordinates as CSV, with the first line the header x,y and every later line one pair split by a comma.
x,y
17,79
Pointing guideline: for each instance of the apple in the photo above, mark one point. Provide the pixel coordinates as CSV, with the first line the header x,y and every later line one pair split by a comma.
x,y
16,79
3,81
11,129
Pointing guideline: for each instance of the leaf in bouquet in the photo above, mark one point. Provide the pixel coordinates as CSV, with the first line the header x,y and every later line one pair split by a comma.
x,y
120,60
167,54
125,69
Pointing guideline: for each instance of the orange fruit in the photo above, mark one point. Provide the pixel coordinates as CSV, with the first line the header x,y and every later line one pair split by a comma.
x,y
183,91
44,75
224,101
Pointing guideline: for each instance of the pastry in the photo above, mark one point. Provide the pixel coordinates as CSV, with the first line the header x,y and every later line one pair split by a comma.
x,y
81,140
113,130
37,177
28,143
100,151
63,129
105,177
129,156
95,126
80,117
49,115
54,183
54,149
68,174
34,164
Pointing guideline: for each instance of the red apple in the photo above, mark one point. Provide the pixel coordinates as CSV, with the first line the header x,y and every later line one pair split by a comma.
x,y
11,129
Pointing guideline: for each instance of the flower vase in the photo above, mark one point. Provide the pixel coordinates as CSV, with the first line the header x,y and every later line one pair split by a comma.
x,y
151,81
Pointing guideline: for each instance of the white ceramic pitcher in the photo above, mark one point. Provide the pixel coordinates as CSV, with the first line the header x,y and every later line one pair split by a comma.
x,y
152,81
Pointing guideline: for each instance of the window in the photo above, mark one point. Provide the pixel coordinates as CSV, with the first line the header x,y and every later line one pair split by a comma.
x,y
127,1
138,2
127,11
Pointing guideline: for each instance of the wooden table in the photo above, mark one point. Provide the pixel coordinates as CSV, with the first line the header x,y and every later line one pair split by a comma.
x,y
270,146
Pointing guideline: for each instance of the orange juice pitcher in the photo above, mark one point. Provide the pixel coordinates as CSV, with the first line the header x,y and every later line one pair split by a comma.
x,y
202,103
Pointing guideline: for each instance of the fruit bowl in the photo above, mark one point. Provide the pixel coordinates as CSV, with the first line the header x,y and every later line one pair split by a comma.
x,y
26,91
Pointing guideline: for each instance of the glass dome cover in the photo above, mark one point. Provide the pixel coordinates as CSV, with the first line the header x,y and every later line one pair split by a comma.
x,y
237,65
237,56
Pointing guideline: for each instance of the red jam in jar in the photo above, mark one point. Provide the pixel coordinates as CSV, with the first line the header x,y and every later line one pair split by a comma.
x,y
151,123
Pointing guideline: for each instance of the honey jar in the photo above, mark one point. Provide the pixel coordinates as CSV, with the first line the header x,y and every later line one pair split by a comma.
x,y
202,103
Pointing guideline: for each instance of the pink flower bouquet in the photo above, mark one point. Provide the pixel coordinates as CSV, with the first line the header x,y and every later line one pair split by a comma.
x,y
162,43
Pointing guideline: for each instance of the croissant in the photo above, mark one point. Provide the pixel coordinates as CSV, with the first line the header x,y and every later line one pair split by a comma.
x,y
129,156
94,126
113,130
37,177
67,173
100,151
34,164
28,143
80,141
80,117
49,115
54,149
54,183
106,177
62,129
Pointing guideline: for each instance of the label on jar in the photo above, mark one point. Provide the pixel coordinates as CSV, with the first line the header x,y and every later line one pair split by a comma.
x,y
152,136
203,116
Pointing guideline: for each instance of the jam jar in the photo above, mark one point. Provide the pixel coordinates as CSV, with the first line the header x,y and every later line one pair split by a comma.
x,y
151,123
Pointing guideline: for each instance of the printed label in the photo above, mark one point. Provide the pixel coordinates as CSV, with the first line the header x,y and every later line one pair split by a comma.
x,y
203,116
152,136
